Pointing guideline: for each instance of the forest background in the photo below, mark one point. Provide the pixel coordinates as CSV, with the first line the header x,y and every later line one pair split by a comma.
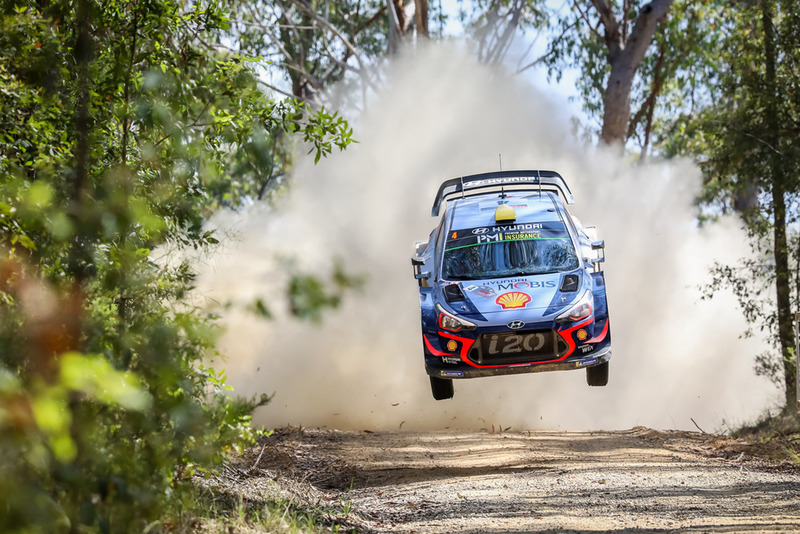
x,y
124,125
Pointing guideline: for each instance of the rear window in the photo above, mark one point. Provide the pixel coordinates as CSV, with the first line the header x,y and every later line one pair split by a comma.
x,y
511,250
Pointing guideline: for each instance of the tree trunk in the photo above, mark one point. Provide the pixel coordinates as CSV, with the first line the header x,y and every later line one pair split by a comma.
x,y
783,290
778,176
625,54
655,89
421,16
396,23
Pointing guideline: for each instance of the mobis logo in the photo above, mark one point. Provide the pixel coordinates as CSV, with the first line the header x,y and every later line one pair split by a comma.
x,y
535,284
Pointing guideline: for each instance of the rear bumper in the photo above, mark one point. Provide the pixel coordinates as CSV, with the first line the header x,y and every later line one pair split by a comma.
x,y
438,368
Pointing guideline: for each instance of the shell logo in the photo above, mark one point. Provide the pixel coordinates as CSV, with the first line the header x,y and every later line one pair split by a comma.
x,y
514,299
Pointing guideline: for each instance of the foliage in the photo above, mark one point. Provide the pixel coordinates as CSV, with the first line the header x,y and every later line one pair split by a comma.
x,y
232,512
493,24
752,283
578,45
122,125
772,437
310,46
675,77
748,141
309,296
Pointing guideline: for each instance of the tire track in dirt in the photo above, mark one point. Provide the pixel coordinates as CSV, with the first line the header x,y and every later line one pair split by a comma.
x,y
638,480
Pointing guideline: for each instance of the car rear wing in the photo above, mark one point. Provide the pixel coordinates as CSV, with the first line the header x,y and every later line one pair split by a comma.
x,y
515,180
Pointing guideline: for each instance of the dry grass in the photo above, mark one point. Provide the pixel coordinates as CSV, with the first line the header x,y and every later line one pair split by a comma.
x,y
775,439
245,498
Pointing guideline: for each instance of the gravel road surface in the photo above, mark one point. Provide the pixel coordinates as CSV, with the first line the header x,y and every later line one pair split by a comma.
x,y
497,481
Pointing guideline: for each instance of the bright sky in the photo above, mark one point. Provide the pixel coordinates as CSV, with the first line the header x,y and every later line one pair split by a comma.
x,y
562,90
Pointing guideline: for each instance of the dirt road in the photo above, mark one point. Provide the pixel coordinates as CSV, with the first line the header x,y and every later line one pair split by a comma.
x,y
638,480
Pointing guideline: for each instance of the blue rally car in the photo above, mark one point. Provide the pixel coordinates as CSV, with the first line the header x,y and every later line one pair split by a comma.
x,y
510,282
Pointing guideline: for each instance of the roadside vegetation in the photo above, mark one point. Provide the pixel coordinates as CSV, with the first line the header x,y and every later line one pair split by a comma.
x,y
125,124
122,126
773,438
225,513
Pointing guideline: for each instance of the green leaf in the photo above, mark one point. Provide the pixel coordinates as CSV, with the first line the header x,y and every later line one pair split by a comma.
x,y
95,377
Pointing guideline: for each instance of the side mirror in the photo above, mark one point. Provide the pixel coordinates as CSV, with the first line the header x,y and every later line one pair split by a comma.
x,y
419,274
600,247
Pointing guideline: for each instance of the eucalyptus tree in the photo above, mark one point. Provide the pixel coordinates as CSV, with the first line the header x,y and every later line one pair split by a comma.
x,y
638,64
748,141
608,41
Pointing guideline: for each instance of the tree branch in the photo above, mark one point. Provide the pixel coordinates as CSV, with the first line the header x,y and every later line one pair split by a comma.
x,y
347,44
585,17
395,29
625,58
273,88
764,142
626,7
369,22
645,27
610,22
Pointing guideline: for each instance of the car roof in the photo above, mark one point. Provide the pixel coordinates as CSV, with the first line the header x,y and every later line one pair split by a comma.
x,y
479,210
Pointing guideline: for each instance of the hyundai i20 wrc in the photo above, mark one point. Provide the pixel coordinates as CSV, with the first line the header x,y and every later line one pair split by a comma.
x,y
510,282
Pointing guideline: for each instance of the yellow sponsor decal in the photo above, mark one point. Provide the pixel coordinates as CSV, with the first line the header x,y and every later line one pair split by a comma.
x,y
532,235
514,299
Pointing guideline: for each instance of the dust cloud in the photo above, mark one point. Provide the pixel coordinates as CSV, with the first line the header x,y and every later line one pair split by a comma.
x,y
676,358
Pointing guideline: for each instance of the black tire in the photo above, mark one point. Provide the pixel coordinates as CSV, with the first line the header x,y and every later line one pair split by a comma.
x,y
442,388
597,375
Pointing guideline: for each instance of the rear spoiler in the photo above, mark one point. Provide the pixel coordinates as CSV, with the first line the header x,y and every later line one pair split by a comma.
x,y
468,185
